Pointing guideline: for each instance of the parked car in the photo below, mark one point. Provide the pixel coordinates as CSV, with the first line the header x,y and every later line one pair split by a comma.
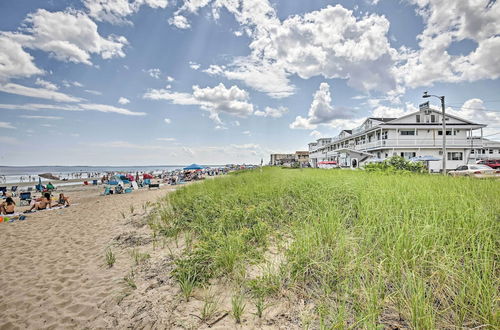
x,y
493,163
475,170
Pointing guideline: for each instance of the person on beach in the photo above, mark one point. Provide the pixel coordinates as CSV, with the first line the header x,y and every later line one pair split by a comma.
x,y
8,207
62,201
42,203
50,186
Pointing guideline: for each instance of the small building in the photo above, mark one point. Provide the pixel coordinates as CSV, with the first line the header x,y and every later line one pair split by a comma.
x,y
282,159
302,157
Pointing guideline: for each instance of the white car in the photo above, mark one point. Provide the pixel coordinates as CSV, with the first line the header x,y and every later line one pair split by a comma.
x,y
475,170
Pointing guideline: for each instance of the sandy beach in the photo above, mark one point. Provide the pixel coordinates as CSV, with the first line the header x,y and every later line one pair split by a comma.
x,y
53,272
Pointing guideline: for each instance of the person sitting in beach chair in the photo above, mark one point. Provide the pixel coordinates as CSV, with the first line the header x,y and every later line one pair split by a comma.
x,y
8,207
41,203
50,187
62,201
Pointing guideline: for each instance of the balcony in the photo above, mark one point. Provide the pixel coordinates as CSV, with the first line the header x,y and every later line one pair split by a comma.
x,y
417,143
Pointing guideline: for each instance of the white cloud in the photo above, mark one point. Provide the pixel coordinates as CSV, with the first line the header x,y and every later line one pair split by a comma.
x,y
247,146
115,11
76,107
41,93
247,133
4,124
167,120
322,111
67,36
14,61
272,112
67,83
216,100
166,139
475,111
46,84
41,117
316,134
194,65
154,73
179,22
110,108
446,23
170,79
123,101
90,91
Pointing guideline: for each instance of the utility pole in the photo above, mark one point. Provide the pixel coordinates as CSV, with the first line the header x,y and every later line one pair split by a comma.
x,y
445,155
426,95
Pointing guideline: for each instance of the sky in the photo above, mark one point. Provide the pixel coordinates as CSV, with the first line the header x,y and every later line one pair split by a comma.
x,y
159,82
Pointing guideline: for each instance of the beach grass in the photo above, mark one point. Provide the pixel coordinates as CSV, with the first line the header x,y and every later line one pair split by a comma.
x,y
367,249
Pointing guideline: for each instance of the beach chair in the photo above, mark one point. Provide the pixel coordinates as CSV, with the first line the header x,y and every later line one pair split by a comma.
x,y
39,187
13,190
3,190
146,182
94,182
25,198
107,191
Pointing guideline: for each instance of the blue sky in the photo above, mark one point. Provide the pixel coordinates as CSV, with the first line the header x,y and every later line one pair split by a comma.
x,y
145,82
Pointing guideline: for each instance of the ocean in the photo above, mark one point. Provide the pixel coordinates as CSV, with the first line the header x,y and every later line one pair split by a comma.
x,y
13,174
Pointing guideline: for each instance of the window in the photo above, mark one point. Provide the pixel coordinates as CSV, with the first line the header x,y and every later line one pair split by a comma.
x,y
407,132
472,151
455,156
433,118
384,135
418,118
408,155
491,151
441,133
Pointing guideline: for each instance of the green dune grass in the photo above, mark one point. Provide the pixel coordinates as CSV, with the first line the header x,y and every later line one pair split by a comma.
x,y
367,249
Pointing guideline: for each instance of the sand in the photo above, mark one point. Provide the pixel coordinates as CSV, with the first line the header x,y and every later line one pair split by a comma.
x,y
53,272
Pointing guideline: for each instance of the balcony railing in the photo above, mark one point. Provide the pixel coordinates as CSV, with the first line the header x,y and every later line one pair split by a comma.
x,y
458,143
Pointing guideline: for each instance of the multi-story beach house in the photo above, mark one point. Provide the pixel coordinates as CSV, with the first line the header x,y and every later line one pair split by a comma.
x,y
415,134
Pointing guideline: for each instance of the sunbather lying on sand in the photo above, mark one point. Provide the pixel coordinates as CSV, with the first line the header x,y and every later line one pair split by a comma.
x,y
62,201
8,207
42,203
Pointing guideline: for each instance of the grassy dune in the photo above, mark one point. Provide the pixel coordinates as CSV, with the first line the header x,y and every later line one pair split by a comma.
x,y
365,249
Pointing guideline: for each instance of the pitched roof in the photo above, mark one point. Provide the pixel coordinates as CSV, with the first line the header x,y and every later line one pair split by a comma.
x,y
382,119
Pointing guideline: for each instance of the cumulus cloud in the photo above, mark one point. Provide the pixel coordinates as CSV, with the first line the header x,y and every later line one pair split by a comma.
x,y
170,79
194,65
179,22
475,111
14,61
69,36
216,100
123,101
272,112
115,11
4,124
167,120
321,111
445,24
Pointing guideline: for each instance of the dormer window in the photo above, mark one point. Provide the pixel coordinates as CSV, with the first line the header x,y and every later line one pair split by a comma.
x,y
433,118
418,118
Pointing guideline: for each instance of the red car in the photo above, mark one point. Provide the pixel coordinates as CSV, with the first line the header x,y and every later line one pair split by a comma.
x,y
493,163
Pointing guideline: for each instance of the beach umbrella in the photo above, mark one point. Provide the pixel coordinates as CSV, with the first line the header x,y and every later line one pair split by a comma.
x,y
147,176
48,176
193,167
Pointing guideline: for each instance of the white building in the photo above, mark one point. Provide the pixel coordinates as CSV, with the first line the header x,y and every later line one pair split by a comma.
x,y
416,134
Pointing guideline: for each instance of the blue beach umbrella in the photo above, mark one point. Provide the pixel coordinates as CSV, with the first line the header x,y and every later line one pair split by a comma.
x,y
193,167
